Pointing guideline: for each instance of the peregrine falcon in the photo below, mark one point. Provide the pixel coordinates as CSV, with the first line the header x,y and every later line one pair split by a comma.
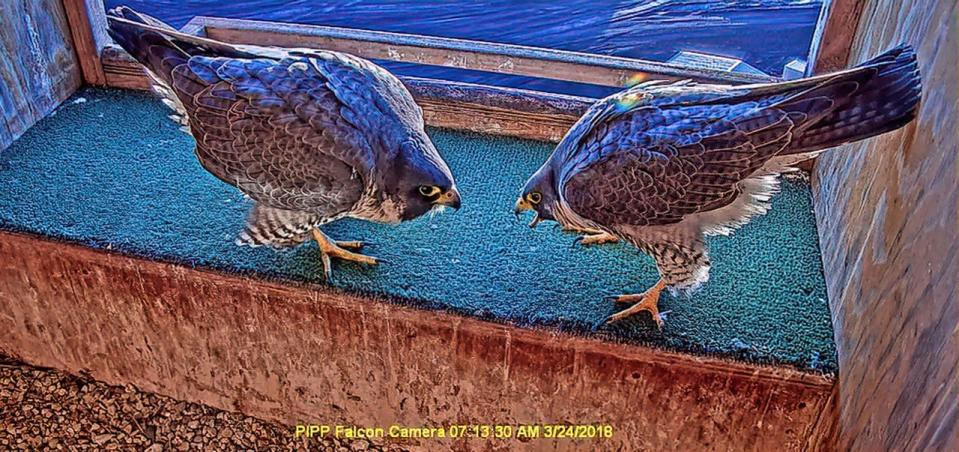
x,y
660,165
311,136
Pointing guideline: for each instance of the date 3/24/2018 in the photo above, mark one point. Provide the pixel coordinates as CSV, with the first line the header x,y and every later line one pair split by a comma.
x,y
493,431
571,431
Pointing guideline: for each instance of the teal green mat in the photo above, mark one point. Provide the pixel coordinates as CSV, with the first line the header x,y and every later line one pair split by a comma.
x,y
109,170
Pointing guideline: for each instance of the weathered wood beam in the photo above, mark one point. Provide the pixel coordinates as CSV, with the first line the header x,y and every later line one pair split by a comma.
x,y
195,27
122,71
88,29
831,43
460,53
832,40
478,108
887,210
38,66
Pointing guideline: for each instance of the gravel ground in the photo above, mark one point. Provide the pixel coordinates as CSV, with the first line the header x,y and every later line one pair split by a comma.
x,y
46,409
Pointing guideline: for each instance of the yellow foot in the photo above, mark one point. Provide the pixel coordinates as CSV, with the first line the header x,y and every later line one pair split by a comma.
x,y
598,238
330,249
349,244
646,301
591,237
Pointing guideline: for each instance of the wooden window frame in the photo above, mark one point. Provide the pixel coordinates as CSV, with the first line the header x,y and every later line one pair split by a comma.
x,y
464,106
832,40
479,108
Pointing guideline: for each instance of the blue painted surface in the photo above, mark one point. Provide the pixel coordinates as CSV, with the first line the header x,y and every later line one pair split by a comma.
x,y
113,172
764,33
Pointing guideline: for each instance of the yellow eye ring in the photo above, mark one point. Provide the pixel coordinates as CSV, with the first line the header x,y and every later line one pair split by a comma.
x,y
534,197
429,190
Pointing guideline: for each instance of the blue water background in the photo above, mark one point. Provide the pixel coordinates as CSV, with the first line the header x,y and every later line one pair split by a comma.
x,y
764,33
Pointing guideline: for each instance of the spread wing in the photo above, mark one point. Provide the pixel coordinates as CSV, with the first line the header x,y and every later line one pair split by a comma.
x,y
656,164
278,129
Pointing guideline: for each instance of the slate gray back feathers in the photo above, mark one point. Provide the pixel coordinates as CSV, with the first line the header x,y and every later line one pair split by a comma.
x,y
319,132
661,165
657,153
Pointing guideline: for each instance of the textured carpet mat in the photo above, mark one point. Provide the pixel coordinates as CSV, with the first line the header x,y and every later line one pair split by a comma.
x,y
109,170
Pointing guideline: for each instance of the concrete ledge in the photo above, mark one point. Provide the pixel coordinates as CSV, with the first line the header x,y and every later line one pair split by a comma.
x,y
303,353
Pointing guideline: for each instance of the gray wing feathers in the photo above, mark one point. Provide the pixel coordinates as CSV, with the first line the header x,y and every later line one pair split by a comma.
x,y
655,166
275,130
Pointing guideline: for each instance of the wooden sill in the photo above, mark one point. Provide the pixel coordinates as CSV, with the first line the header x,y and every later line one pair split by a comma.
x,y
477,108
460,53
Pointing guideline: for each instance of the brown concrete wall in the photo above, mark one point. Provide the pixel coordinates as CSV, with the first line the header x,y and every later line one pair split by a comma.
x,y
888,222
306,355
38,65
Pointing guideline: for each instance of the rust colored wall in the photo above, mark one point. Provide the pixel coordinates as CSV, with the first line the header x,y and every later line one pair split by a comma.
x,y
887,211
306,355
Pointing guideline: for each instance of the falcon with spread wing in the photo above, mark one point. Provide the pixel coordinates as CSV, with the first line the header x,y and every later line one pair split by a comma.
x,y
311,136
660,166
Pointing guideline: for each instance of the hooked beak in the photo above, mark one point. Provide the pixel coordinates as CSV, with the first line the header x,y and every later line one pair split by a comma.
x,y
449,199
523,205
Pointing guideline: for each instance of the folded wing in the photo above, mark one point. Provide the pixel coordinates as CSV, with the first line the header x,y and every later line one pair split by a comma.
x,y
657,165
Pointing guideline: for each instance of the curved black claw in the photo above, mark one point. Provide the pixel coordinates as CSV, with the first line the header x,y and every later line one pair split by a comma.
x,y
599,324
576,242
613,298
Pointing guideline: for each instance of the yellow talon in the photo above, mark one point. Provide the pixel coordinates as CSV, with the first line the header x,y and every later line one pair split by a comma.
x,y
592,237
646,301
330,249
597,239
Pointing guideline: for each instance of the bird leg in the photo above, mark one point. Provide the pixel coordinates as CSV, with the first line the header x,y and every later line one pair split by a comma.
x,y
330,249
646,301
592,237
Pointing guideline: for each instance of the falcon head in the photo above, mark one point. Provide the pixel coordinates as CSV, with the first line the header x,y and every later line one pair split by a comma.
x,y
419,181
539,195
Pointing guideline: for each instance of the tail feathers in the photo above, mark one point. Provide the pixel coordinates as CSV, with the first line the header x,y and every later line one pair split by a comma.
x,y
159,46
132,15
148,44
878,96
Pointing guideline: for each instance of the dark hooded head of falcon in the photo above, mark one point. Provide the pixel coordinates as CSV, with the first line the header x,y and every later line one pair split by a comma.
x,y
418,180
539,195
